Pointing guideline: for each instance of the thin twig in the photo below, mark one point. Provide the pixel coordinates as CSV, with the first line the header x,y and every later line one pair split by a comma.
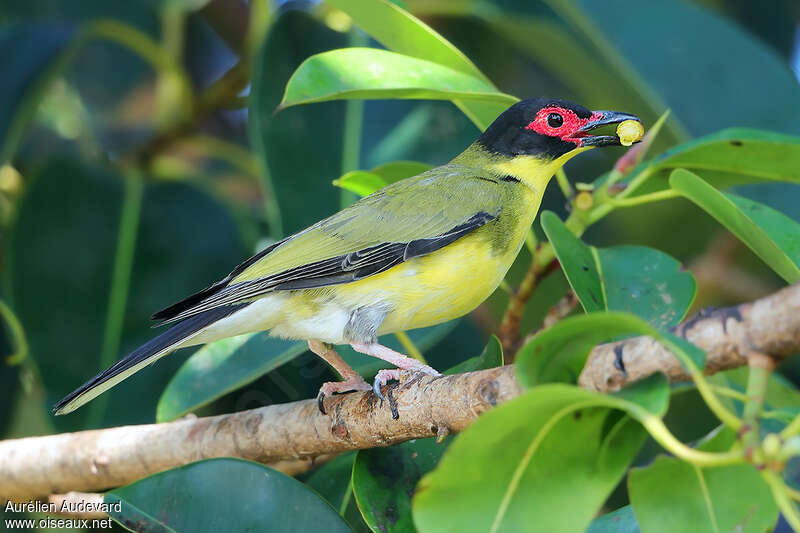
x,y
509,333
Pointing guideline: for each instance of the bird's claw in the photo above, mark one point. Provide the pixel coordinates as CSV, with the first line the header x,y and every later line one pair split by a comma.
x,y
383,377
321,402
354,383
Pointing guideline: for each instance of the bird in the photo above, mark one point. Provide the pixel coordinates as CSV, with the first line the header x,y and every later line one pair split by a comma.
x,y
418,252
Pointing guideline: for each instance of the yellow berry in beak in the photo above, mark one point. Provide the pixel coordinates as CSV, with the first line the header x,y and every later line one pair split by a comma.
x,y
629,131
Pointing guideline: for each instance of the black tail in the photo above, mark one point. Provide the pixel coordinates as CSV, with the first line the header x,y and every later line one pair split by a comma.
x,y
142,356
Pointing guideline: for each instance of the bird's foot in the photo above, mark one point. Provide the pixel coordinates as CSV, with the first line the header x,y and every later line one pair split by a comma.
x,y
354,383
384,376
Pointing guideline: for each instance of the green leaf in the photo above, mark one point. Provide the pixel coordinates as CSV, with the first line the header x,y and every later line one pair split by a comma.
x,y
400,31
68,202
620,521
361,182
221,367
385,479
646,282
40,53
671,495
558,354
364,182
578,261
734,157
490,357
223,494
518,463
636,279
398,170
370,73
772,236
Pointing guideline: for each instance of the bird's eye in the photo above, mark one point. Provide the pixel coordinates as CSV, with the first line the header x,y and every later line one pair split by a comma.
x,y
554,120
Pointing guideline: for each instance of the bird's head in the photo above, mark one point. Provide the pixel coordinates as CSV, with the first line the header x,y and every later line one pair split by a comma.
x,y
549,128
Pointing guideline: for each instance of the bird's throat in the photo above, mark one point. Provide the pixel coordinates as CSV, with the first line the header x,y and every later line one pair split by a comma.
x,y
531,170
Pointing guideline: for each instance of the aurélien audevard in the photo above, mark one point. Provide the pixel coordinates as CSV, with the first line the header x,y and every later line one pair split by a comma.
x,y
65,506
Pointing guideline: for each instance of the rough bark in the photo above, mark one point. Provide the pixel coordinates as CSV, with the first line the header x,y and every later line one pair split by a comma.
x,y
770,325
99,459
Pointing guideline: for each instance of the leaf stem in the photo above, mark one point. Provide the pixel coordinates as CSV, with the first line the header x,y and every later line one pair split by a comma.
x,y
506,288
658,196
782,498
713,403
235,155
120,282
792,429
760,366
17,335
135,40
564,184
531,242
662,435
347,497
792,493
637,182
730,393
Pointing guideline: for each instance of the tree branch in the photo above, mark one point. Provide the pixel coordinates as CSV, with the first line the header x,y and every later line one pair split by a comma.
x,y
291,435
100,459
770,325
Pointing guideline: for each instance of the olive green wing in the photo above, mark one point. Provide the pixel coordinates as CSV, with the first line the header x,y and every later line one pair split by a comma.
x,y
407,219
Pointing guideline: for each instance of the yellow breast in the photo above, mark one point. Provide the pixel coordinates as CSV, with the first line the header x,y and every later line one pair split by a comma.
x,y
435,288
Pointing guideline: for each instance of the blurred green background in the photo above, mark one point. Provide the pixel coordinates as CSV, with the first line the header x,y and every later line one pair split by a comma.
x,y
126,183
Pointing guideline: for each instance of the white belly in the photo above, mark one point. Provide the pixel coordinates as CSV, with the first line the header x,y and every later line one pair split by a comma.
x,y
278,313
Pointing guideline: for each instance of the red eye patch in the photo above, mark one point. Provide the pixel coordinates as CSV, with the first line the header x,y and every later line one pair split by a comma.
x,y
567,131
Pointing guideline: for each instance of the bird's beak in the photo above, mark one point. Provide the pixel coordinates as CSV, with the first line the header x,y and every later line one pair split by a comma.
x,y
603,118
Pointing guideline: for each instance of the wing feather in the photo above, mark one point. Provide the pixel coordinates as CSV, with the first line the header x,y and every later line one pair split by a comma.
x,y
380,231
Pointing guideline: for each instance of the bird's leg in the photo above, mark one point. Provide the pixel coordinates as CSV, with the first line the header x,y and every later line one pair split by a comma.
x,y
352,379
402,362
